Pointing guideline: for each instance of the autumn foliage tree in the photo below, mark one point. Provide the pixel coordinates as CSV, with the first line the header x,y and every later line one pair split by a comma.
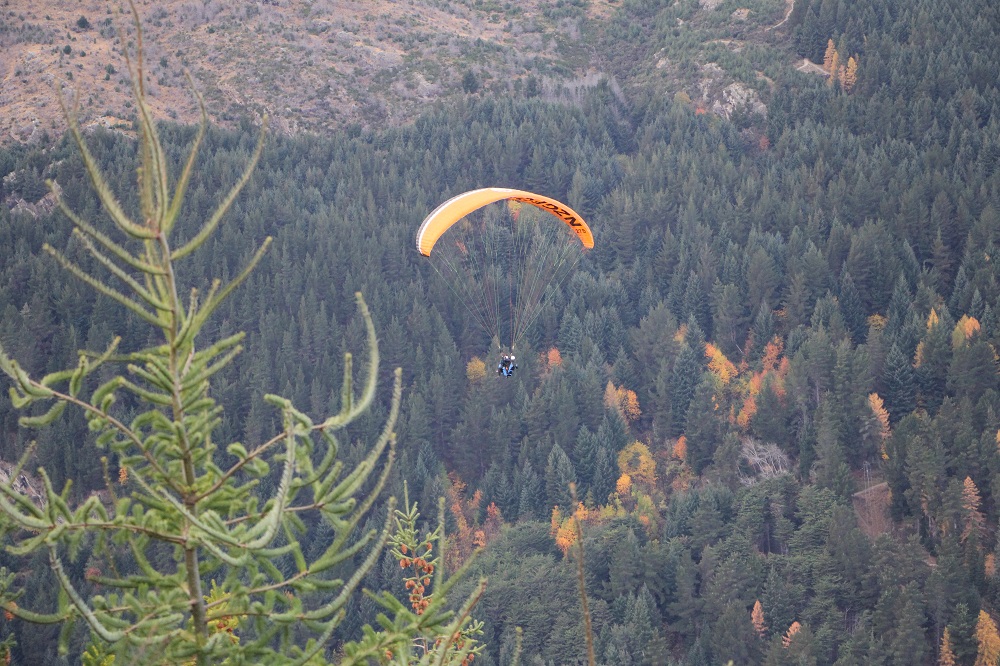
x,y
469,533
757,619
773,369
849,78
988,640
637,462
845,73
475,369
564,527
973,519
623,401
718,364
793,629
875,428
946,656
679,449
829,56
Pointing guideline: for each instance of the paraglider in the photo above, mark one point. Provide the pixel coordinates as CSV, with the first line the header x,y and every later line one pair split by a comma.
x,y
502,262
507,365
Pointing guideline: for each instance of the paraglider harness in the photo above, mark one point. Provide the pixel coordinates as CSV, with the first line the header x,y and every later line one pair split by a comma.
x,y
506,366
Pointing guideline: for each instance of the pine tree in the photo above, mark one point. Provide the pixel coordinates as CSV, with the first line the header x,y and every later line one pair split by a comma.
x,y
687,609
704,425
762,330
733,637
729,317
612,434
228,520
852,308
962,631
532,500
559,473
900,384
908,645
830,469
585,453
973,369
761,279
604,475
683,381
932,360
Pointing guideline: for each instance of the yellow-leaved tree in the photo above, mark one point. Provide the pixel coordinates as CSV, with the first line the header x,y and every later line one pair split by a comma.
x,y
828,55
850,76
638,464
475,369
623,401
988,640
946,656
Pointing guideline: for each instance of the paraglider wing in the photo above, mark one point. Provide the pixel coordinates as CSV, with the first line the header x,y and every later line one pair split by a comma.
x,y
503,263
454,209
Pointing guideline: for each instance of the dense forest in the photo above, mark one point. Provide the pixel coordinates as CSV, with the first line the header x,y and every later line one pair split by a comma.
x,y
774,380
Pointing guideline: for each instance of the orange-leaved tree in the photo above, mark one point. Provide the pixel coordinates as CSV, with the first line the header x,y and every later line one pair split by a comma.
x,y
757,619
875,425
795,627
973,519
469,534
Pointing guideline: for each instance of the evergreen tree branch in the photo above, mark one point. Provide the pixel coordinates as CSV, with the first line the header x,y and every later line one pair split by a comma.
x,y
179,498
213,222
354,581
88,229
199,319
107,198
100,286
153,173
180,189
119,273
78,602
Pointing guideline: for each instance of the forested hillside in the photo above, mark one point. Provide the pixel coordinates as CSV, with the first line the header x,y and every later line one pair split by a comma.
x,y
774,380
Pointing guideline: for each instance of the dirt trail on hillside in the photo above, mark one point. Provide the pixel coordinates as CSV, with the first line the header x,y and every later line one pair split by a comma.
x,y
788,12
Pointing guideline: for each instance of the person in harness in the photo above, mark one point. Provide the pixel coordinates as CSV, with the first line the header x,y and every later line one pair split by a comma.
x,y
506,366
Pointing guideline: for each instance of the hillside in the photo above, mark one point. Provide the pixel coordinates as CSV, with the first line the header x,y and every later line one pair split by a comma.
x,y
331,63
774,380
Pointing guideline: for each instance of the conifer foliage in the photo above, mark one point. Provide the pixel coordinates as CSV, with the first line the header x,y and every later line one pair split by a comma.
x,y
198,561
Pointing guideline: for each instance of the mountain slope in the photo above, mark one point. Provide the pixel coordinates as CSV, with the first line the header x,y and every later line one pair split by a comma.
x,y
331,63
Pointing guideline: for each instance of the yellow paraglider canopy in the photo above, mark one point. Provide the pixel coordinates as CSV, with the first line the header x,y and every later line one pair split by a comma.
x,y
454,209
